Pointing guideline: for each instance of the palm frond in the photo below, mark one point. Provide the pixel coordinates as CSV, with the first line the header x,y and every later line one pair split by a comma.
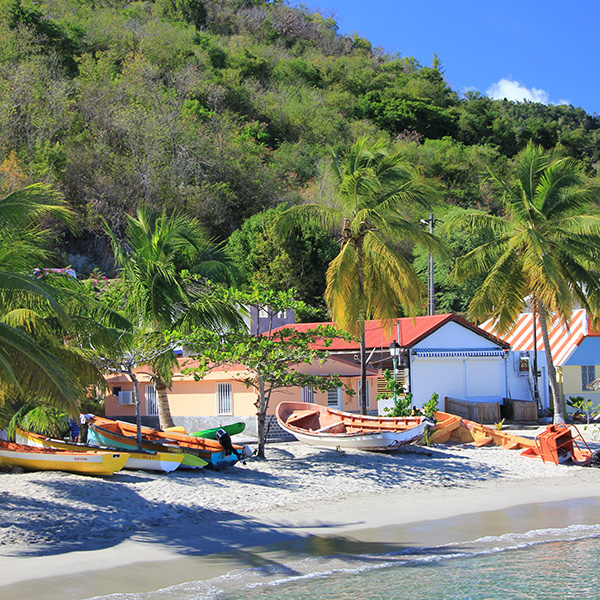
x,y
342,294
30,204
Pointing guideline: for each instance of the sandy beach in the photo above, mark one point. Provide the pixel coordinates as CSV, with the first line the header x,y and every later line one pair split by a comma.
x,y
76,537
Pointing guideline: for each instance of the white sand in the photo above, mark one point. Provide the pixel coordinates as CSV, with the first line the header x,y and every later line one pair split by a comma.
x,y
134,516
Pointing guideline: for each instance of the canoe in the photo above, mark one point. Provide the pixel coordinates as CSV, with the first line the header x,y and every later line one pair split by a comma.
x,y
211,434
44,459
123,435
317,425
102,437
148,460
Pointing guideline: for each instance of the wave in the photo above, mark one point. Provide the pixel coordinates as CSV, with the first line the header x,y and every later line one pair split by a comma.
x,y
247,580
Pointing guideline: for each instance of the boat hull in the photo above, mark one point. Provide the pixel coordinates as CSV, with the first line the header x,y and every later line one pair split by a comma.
x,y
170,441
211,434
43,459
373,442
323,427
102,437
151,461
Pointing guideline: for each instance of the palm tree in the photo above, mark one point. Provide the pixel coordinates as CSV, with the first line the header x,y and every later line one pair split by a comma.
x,y
370,278
33,363
545,248
158,297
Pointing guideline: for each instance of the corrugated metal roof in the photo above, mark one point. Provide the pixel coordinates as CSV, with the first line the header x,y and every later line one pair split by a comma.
x,y
564,337
411,331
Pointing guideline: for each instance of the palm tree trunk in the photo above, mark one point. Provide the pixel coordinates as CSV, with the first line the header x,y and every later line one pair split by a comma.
x,y
164,411
559,408
363,345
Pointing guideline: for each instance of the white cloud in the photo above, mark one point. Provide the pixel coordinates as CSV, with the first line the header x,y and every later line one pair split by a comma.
x,y
513,90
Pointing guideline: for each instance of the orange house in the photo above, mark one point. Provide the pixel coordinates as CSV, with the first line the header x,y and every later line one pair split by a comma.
x,y
220,398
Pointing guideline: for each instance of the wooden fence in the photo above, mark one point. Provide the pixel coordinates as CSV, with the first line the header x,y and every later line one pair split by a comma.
x,y
522,411
480,412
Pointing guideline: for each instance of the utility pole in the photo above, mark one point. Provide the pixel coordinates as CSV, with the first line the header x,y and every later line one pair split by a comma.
x,y
430,284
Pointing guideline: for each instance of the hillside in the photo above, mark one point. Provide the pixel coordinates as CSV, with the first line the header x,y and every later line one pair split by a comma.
x,y
225,108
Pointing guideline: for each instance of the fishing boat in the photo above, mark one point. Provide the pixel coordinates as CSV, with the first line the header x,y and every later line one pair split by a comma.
x,y
211,434
317,425
148,460
124,435
45,459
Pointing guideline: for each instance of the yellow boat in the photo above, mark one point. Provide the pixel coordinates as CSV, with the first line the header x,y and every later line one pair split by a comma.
x,y
147,460
44,459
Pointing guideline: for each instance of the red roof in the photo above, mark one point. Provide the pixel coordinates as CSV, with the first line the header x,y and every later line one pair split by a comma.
x,y
411,331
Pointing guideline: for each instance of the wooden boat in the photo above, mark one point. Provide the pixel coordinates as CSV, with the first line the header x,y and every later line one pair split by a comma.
x,y
557,444
449,427
147,460
123,435
44,459
322,426
211,434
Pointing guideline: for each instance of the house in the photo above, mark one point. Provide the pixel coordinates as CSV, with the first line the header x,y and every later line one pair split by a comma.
x,y
443,354
575,348
220,398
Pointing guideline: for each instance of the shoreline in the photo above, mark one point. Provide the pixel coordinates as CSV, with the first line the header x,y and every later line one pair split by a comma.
x,y
187,539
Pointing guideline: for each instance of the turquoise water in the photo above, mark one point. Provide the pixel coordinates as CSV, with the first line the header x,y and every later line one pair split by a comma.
x,y
556,570
541,564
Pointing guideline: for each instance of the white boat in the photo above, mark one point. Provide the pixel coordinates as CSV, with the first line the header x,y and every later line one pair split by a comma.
x,y
317,425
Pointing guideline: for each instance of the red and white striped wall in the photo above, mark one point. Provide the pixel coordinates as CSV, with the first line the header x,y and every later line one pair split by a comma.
x,y
564,337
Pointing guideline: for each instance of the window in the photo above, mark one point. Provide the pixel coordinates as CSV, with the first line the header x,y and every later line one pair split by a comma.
x,y
151,400
334,397
308,395
588,374
125,397
358,388
224,399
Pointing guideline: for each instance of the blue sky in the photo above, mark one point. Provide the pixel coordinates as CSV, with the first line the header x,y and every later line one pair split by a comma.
x,y
541,50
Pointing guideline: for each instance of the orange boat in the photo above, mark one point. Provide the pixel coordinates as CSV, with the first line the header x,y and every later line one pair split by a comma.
x,y
124,435
556,444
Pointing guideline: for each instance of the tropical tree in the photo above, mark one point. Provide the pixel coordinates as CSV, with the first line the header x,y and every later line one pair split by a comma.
x,y
270,362
370,278
158,295
545,248
34,361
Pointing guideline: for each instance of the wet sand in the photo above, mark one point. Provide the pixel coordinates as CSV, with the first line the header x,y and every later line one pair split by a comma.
x,y
70,537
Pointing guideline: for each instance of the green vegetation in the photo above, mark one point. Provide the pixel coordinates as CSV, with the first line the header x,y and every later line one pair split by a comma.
x,y
271,361
214,119
372,189
544,247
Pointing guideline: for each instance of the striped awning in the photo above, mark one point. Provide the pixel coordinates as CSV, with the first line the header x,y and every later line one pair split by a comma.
x,y
457,352
564,337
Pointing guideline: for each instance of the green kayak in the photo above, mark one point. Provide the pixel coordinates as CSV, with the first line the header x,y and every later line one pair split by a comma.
x,y
211,434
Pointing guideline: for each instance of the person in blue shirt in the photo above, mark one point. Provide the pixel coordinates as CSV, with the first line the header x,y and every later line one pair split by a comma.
x,y
74,430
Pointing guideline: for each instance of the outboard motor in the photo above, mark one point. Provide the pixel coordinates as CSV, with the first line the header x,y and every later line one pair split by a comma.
x,y
225,440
